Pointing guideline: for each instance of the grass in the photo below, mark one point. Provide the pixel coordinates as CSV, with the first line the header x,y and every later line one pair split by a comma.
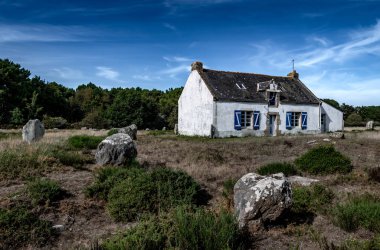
x,y
161,132
84,141
112,131
9,135
44,191
152,192
315,198
362,211
19,227
182,228
324,160
21,163
71,158
277,167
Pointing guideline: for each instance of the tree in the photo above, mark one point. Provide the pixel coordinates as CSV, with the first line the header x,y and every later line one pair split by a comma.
x,y
16,116
354,119
332,102
347,110
34,110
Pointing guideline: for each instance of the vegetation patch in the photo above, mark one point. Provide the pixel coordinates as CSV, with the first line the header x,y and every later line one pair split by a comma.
x,y
84,141
109,177
71,158
324,160
44,191
315,198
9,135
160,132
183,228
19,227
21,163
151,192
112,131
362,211
277,167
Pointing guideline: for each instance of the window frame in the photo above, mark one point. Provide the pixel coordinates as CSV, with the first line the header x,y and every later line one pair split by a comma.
x,y
296,118
243,122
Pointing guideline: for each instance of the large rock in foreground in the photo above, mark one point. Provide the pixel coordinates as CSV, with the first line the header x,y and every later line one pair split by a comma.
x,y
33,131
117,149
260,199
130,130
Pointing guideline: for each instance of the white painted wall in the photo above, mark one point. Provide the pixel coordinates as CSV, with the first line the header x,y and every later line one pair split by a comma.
x,y
334,118
195,107
225,118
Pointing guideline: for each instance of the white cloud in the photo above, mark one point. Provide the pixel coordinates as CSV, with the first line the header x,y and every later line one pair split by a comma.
x,y
174,71
177,59
68,73
40,33
170,26
107,73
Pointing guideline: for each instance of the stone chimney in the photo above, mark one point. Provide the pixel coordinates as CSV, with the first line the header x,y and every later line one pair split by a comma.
x,y
197,66
293,74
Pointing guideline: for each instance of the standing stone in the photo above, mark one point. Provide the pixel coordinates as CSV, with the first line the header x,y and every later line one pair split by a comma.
x,y
164,129
33,131
117,149
260,199
369,125
130,130
176,129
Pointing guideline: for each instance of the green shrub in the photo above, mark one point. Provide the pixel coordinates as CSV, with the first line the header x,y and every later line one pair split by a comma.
x,y
44,191
324,160
182,228
112,131
19,227
277,167
151,192
107,178
84,141
54,122
21,164
352,244
315,198
361,211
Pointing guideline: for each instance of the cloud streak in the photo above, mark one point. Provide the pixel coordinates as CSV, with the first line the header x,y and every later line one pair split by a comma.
x,y
107,73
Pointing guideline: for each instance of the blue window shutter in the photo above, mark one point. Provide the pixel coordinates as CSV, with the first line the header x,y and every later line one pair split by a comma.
x,y
288,120
237,119
304,120
256,120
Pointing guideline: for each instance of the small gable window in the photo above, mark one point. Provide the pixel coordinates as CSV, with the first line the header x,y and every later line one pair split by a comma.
x,y
272,99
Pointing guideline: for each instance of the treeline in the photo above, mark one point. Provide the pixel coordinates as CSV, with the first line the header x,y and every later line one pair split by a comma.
x,y
23,98
356,116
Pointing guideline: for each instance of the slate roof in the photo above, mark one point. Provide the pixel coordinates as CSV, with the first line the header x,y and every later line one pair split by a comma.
x,y
222,85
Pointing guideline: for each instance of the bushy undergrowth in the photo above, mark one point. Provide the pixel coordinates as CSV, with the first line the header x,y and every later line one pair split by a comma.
x,y
44,191
21,163
19,227
182,228
84,141
362,211
71,158
151,192
315,198
277,167
324,160
352,244
109,177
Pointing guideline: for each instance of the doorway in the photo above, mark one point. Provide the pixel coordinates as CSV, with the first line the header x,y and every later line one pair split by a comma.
x,y
323,123
272,125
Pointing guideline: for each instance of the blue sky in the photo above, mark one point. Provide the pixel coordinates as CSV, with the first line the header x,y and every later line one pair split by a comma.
x,y
151,44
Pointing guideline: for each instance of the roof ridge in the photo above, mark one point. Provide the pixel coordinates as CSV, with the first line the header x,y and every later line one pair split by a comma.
x,y
236,72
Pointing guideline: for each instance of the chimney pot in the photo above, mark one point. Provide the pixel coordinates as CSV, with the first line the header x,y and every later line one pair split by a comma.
x,y
197,66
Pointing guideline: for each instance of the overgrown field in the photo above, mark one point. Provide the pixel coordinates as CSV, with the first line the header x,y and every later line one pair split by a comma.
x,y
178,192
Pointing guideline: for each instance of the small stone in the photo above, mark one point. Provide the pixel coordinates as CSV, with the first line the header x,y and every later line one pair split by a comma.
x,y
59,227
164,129
176,129
369,125
83,128
326,139
311,142
303,181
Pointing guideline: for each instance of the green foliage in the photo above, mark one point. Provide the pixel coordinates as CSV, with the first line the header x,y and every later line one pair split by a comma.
x,y
54,122
151,192
44,191
112,131
354,119
95,119
20,164
84,141
33,109
183,228
19,227
278,167
17,116
353,244
71,158
362,211
315,198
109,177
324,160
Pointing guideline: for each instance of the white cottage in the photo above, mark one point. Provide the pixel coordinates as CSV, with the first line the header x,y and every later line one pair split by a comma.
x,y
223,104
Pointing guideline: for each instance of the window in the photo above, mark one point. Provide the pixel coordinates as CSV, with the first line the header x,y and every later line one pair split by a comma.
x,y
295,121
272,98
246,119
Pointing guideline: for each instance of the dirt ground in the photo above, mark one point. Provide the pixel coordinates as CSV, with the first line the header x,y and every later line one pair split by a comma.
x,y
211,162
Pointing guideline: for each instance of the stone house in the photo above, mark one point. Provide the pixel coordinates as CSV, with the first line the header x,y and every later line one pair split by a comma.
x,y
223,104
